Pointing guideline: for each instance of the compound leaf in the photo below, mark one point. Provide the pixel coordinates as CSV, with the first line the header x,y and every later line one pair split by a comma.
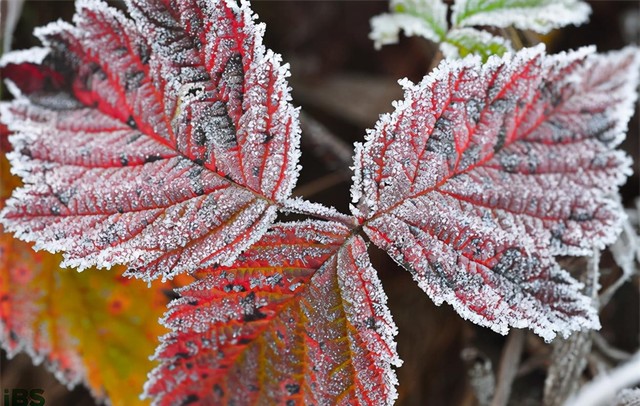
x,y
538,15
165,142
485,172
300,318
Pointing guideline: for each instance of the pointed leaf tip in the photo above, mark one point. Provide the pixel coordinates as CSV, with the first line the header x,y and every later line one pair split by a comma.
x,y
165,142
486,171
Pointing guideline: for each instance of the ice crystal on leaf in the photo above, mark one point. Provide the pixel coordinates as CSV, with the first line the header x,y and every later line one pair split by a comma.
x,y
538,15
102,343
300,317
165,142
427,19
485,172
461,42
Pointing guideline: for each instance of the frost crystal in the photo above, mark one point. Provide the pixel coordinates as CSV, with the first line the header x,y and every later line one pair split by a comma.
x,y
300,318
461,42
428,19
484,172
424,18
167,141
164,142
538,15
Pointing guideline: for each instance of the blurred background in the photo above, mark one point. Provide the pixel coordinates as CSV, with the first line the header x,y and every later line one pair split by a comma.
x,y
344,84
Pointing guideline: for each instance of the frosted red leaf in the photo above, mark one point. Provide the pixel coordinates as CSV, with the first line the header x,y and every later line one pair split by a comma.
x,y
105,343
165,141
484,172
300,318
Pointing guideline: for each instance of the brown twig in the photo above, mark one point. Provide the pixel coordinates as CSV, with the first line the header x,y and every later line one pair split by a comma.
x,y
608,350
436,60
509,363
514,36
569,357
330,149
320,184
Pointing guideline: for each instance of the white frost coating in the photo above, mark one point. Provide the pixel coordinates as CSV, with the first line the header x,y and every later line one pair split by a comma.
x,y
628,397
13,89
419,92
29,335
111,189
538,15
619,70
52,28
120,205
424,18
319,299
472,39
604,388
445,185
365,305
301,206
33,55
356,186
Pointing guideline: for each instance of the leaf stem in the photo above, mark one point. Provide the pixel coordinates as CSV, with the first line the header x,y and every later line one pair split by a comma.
x,y
514,36
317,210
334,152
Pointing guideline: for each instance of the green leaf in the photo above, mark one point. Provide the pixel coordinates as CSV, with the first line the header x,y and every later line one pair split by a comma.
x,y
538,15
423,18
461,42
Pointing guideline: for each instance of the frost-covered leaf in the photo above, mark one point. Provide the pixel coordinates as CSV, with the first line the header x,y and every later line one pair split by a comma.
x,y
424,18
628,397
94,328
165,142
300,318
461,42
538,15
484,172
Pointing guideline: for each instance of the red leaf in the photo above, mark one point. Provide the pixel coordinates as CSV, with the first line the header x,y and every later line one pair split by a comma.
x,y
300,317
166,142
105,343
32,78
484,172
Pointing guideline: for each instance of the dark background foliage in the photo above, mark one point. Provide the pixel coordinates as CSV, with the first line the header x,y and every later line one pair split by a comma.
x,y
340,80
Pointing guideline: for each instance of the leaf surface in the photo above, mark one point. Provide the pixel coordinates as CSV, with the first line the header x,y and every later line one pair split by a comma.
x,y
165,142
427,19
94,328
538,15
484,172
461,42
300,318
